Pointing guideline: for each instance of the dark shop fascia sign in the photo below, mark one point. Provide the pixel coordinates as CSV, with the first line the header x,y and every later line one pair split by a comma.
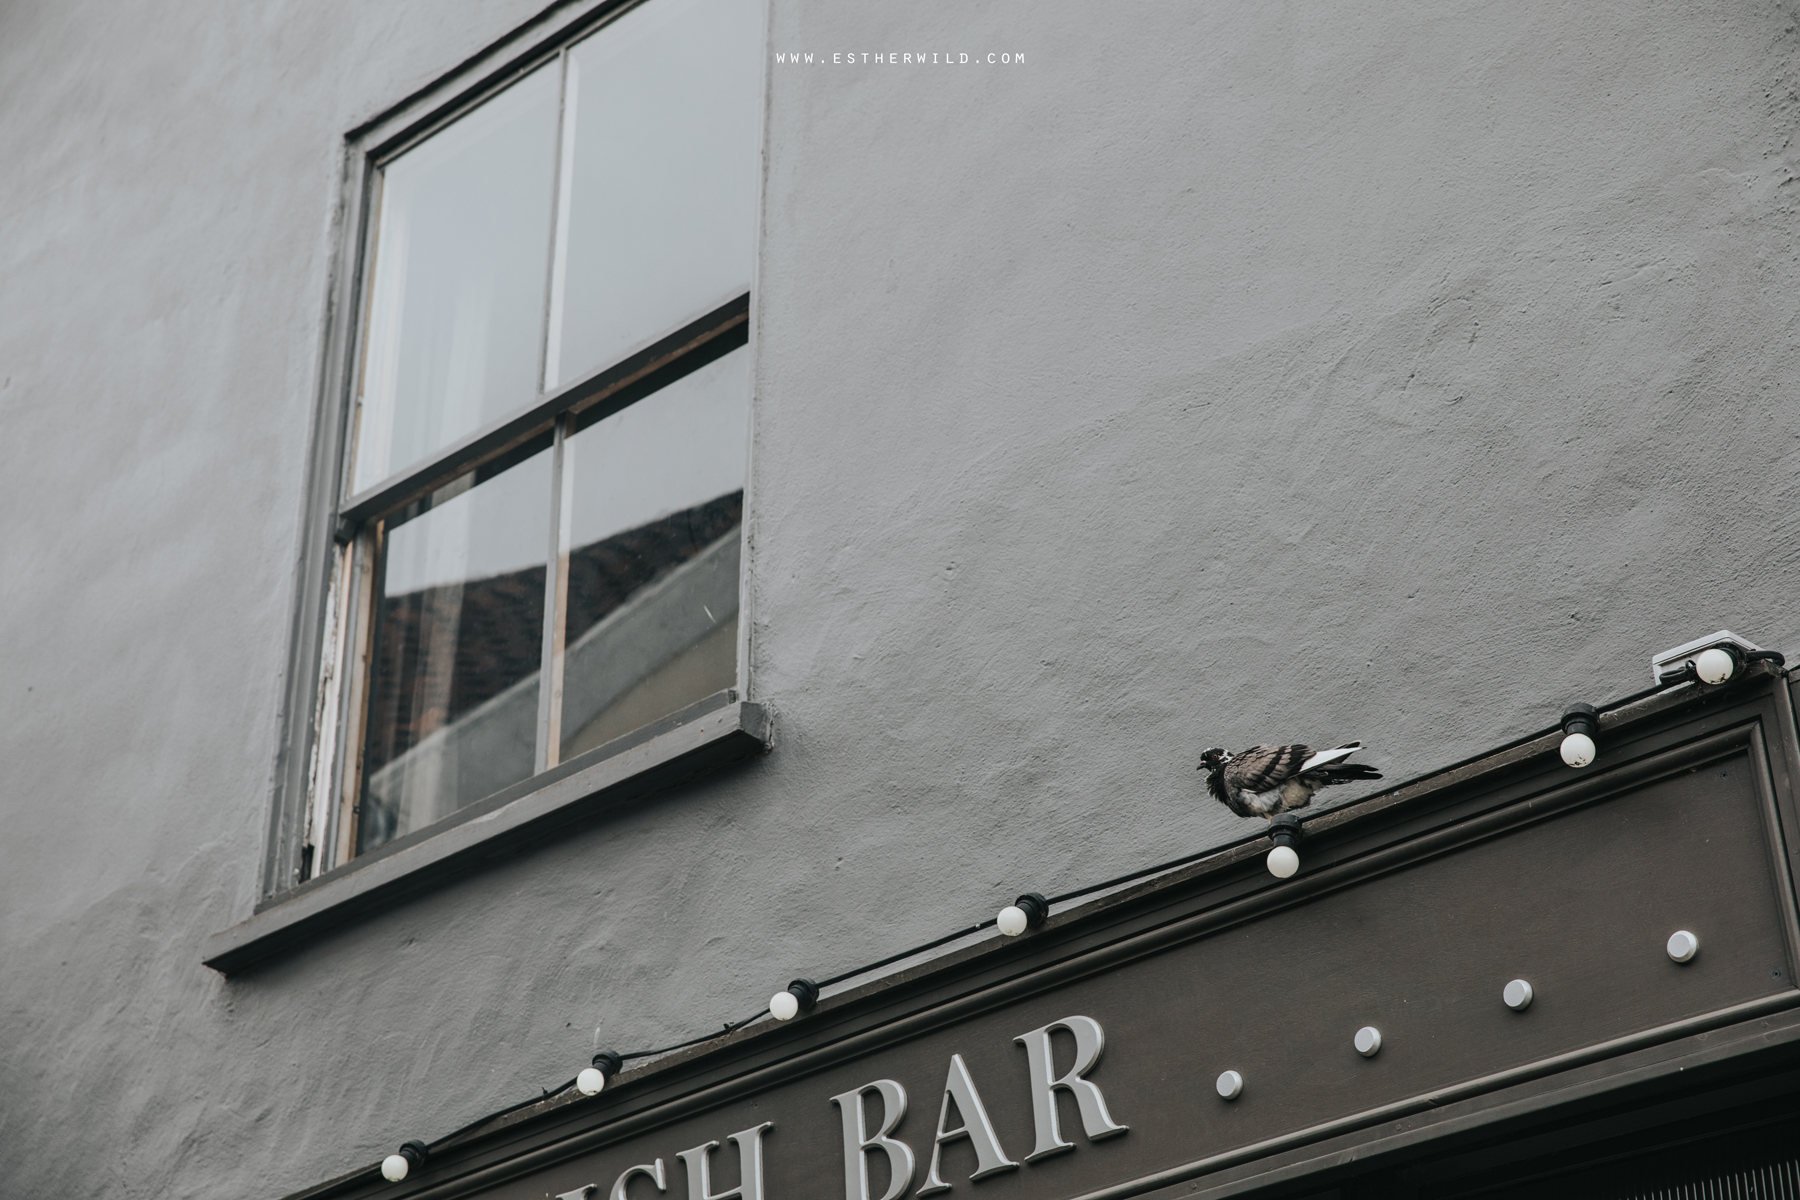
x,y
1477,938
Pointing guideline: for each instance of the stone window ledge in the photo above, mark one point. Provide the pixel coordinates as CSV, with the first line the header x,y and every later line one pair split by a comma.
x,y
661,756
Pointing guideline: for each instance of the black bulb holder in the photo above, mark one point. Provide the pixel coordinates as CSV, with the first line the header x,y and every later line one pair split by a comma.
x,y
1035,908
806,992
414,1153
609,1063
1685,673
1581,718
1285,830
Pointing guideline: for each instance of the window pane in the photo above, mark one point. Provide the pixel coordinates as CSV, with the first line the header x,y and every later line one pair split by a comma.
x,y
664,154
456,306
657,496
458,642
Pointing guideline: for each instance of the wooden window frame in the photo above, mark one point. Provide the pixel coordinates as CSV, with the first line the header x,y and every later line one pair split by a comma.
x,y
310,836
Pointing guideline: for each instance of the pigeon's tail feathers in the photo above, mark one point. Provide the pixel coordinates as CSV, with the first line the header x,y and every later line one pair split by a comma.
x,y
1346,773
1325,757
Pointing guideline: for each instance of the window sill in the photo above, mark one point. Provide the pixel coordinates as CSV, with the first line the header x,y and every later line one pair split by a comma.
x,y
663,756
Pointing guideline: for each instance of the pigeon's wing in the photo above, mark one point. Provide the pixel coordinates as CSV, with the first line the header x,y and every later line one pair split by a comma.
x,y
1335,754
1264,768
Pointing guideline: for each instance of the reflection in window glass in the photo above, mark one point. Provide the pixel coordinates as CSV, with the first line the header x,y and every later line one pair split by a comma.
x,y
487,285
453,703
456,303
657,497
662,158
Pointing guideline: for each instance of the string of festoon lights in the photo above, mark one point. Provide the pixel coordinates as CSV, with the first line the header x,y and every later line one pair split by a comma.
x,y
1029,911
1578,748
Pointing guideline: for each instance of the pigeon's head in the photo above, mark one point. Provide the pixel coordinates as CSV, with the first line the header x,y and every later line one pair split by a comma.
x,y
1213,759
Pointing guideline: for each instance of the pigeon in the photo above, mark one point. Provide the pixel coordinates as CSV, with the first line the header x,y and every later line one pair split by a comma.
x,y
1265,781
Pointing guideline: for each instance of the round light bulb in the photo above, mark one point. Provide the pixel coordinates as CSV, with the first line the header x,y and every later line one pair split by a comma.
x,y
1578,749
1283,862
394,1168
1230,1085
784,1006
1683,945
1012,920
1714,666
1368,1041
1517,995
590,1081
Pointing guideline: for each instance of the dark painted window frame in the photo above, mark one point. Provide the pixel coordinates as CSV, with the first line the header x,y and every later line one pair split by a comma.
x,y
721,729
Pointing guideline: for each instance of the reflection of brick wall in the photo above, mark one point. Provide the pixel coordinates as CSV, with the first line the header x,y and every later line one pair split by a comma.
x,y
488,633
604,575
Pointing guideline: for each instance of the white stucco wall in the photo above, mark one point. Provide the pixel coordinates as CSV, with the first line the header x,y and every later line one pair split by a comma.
x,y
1223,372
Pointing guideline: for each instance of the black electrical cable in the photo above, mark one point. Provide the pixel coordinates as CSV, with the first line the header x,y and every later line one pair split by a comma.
x,y
934,943
705,1037
1183,861
1140,873
547,1093
505,1112
733,1027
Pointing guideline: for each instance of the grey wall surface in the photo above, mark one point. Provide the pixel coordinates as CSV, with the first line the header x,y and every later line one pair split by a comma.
x,y
1223,372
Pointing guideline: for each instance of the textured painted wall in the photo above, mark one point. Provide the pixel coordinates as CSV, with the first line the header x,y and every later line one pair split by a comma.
x,y
1220,373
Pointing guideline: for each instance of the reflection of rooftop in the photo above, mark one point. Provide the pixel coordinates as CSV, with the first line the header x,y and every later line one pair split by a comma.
x,y
672,643
645,612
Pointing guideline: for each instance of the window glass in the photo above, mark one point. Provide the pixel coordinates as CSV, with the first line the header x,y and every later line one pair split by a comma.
x,y
457,298
453,702
657,495
593,206
662,157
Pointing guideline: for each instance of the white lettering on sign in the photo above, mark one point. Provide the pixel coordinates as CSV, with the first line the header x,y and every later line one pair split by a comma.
x,y
750,1173
1090,1040
856,1107
653,1170
858,1143
989,1157
959,1088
